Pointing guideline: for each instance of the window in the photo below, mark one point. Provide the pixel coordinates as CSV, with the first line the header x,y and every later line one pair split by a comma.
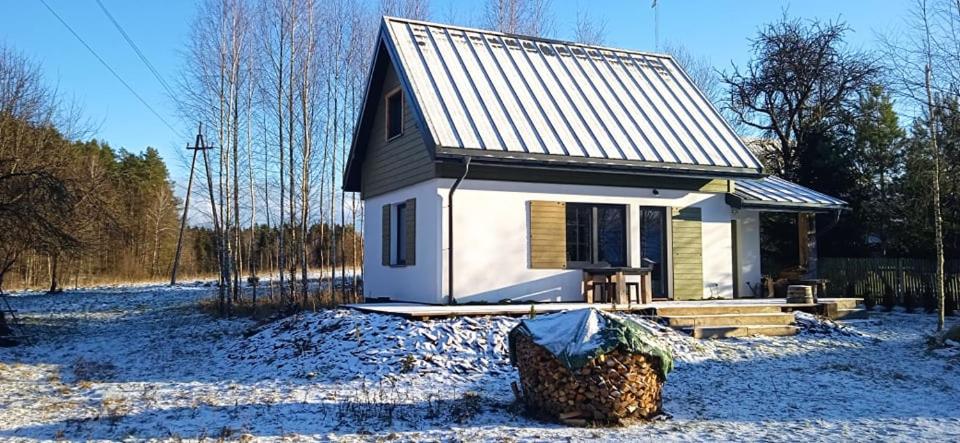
x,y
394,114
400,245
596,235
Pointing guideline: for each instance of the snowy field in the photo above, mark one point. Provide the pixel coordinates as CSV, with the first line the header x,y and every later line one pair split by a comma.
x,y
143,363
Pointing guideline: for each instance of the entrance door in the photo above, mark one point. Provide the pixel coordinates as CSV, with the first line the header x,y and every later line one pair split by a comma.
x,y
653,247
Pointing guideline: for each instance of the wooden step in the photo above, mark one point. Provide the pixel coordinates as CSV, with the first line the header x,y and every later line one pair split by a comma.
x,y
671,311
851,314
844,303
741,331
777,319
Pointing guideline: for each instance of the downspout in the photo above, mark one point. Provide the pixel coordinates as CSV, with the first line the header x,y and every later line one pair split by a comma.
x,y
453,189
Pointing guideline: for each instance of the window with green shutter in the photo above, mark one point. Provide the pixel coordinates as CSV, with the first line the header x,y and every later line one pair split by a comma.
x,y
398,239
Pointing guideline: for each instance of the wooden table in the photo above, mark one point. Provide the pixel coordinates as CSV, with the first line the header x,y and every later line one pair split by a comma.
x,y
617,274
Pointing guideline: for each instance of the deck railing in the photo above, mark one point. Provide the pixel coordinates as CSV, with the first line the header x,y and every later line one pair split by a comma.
x,y
889,280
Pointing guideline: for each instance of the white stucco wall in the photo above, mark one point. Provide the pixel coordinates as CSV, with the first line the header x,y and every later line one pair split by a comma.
x,y
421,281
492,247
748,225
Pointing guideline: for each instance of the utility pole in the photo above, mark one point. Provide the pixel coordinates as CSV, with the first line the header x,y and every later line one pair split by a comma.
x,y
198,146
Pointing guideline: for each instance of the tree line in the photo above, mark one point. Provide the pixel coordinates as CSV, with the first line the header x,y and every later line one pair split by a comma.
x,y
75,212
828,116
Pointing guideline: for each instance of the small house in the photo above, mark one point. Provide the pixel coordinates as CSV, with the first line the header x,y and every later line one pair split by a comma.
x,y
498,167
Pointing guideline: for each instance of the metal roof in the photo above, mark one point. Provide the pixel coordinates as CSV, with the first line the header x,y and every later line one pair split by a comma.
x,y
776,193
485,93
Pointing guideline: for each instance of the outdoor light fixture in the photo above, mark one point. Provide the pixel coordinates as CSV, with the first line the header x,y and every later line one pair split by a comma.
x,y
656,192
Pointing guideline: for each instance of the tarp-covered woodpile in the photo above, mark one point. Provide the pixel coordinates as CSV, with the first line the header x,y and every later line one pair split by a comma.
x,y
589,366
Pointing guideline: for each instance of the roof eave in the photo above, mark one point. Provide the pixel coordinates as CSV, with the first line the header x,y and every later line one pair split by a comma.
x,y
738,202
611,165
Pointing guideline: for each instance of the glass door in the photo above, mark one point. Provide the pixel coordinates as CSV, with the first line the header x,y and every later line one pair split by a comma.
x,y
653,247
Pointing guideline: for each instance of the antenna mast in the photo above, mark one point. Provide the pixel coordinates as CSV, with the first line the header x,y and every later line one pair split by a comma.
x,y
656,25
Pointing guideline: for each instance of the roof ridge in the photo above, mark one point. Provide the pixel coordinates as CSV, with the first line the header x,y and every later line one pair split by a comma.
x,y
527,37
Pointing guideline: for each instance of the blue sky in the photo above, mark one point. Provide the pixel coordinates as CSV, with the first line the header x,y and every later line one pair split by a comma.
x,y
719,30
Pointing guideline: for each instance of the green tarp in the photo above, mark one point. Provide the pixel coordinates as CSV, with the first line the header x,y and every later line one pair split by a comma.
x,y
576,337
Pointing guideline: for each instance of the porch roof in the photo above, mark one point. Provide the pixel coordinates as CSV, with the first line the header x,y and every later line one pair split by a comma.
x,y
776,194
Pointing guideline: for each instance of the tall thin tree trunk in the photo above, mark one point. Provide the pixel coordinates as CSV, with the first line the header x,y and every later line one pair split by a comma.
x,y
53,263
281,227
937,217
290,134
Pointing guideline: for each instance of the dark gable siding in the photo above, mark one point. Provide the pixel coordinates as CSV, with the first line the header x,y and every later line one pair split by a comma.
x,y
400,162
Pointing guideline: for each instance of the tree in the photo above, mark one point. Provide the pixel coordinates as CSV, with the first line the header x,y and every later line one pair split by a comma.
x,y
878,142
415,9
699,69
800,81
930,46
588,29
527,17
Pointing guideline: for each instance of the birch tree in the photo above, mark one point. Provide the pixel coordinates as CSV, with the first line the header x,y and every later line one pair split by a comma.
x,y
922,63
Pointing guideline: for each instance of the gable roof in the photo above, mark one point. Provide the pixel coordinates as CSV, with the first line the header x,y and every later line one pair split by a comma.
x,y
494,95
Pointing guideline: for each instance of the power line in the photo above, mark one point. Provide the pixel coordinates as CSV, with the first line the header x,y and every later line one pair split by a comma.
x,y
136,49
106,65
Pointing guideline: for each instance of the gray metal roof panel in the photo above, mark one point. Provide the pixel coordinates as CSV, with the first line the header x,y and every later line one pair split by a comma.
x,y
773,190
489,91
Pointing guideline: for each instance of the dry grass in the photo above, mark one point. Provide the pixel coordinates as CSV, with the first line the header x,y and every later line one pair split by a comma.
x,y
270,304
91,281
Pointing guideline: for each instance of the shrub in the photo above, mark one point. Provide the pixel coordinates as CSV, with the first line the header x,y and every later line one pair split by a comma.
x,y
909,301
889,298
928,299
868,300
950,302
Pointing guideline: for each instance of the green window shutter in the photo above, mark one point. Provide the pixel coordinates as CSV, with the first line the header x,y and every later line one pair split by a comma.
x,y
410,237
548,235
385,235
687,254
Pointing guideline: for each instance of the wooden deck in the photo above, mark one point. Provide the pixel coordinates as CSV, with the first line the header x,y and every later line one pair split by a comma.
x,y
426,312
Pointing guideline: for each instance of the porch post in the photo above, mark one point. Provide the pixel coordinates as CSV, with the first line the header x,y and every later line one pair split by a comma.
x,y
807,242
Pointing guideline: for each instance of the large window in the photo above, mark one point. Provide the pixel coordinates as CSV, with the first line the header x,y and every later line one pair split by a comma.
x,y
394,114
596,235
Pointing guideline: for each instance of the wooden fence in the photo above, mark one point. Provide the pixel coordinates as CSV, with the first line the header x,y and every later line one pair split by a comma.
x,y
884,277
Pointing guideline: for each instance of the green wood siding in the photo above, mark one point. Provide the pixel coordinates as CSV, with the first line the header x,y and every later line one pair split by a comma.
x,y
400,162
687,254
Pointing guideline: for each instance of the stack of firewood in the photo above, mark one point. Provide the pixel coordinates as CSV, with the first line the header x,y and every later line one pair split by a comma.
x,y
613,388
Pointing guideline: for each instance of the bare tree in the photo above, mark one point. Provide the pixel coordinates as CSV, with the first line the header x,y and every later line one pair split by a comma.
x,y
700,70
528,17
801,78
414,9
588,29
931,46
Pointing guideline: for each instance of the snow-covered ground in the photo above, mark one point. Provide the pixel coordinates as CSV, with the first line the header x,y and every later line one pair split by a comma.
x,y
144,363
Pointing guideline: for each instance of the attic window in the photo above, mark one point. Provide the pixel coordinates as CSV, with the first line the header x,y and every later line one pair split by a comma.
x,y
394,104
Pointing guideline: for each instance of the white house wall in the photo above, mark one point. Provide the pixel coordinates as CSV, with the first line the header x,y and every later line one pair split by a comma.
x,y
491,244
421,281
